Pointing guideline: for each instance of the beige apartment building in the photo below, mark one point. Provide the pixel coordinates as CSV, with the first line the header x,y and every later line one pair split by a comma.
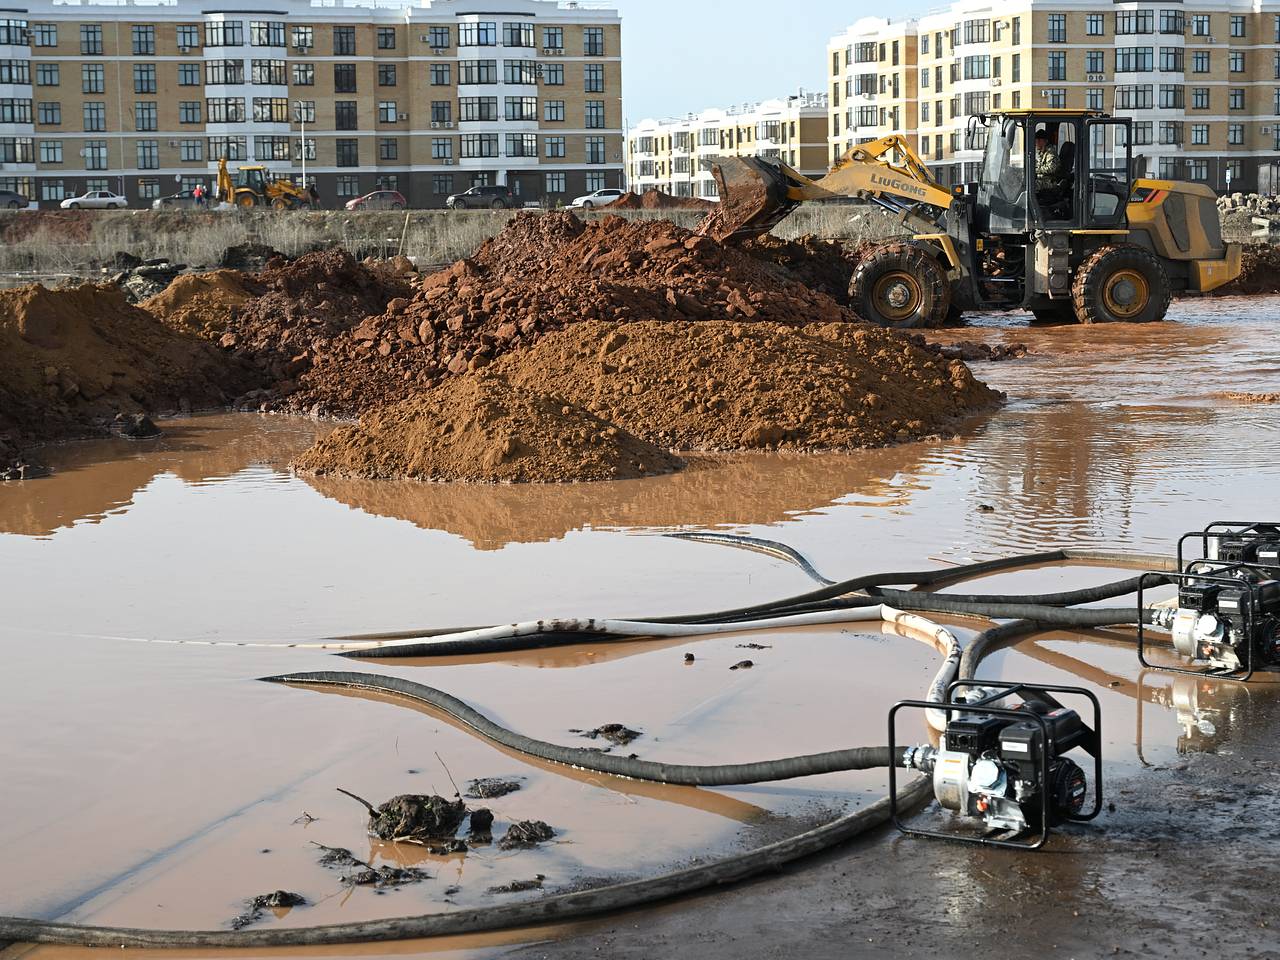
x,y
427,98
1201,81
676,155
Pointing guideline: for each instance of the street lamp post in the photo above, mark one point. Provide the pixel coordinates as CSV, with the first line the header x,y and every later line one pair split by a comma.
x,y
302,122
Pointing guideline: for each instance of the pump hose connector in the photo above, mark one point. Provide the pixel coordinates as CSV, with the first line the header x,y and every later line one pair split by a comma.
x,y
919,758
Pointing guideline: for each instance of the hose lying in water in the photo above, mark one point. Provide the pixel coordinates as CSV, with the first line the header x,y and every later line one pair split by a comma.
x,y
558,908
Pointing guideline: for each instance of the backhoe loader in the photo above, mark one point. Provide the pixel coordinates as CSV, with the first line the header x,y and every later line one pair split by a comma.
x,y
1056,224
253,186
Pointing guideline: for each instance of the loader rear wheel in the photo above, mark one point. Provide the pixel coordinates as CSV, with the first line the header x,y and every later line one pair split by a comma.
x,y
1121,283
900,285
280,203
246,200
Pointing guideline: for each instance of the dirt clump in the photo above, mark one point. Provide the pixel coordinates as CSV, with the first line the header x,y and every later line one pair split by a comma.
x,y
737,206
411,816
823,265
524,834
719,385
74,358
1259,271
203,303
280,900
488,788
658,200
480,428
616,733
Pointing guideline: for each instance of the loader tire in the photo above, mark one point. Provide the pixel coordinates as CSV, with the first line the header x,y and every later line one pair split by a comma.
x,y
1121,283
900,285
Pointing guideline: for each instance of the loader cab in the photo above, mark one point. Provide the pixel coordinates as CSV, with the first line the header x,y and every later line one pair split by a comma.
x,y
252,178
1054,170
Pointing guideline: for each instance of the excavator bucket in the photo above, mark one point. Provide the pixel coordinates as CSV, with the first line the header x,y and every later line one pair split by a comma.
x,y
753,199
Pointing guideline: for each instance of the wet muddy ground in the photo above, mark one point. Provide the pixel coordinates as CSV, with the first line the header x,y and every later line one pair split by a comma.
x,y
154,783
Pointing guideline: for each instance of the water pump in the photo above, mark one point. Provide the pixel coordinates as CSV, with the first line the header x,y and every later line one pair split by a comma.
x,y
1001,766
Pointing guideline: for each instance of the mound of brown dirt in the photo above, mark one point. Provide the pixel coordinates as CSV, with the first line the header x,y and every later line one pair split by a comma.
x,y
542,273
481,428
1259,271
720,385
658,200
202,303
71,359
823,265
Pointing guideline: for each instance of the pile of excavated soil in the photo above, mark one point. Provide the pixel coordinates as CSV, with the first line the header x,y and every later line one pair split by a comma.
x,y
482,428
542,273
722,385
1259,271
823,265
71,359
658,200
203,303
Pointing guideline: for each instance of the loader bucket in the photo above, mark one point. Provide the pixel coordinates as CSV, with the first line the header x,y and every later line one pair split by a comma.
x,y
753,199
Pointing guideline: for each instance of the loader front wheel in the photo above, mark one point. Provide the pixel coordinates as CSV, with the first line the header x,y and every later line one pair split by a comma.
x,y
1121,283
900,285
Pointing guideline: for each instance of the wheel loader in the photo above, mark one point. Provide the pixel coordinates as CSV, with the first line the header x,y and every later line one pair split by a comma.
x,y
1056,224
253,186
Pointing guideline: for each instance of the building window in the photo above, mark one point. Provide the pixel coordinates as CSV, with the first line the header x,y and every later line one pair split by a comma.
x,y
386,74
1057,28
92,78
1200,61
555,146
522,144
1094,99
1173,21
1171,59
478,108
50,151
227,148
224,33
17,71
441,148
595,149
266,33
1172,96
438,38
1170,132
345,116
1057,65
188,36
979,68
17,150
144,40
271,109
188,74
593,77
484,34
191,151
520,71
595,114
189,111
1135,97
555,183
1200,25
1135,21
1235,61
1235,134
1235,98
271,148
52,190
1200,98
388,148
1198,169
304,74
522,108
924,78
387,111
1142,133
224,72
344,78
348,152
1134,60
596,181
1094,25
95,117
148,154
304,38
593,41
477,71
45,34
308,146
441,111
344,41
1015,69
479,145
144,115
442,184
553,111
348,186
1200,134
1056,98
224,110
1237,26
95,154
49,114
90,39
1015,100
386,38
517,34
553,74
144,78
440,75
269,73
553,38
1095,61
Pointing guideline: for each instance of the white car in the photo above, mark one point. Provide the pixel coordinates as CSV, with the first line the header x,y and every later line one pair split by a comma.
x,y
598,199
95,200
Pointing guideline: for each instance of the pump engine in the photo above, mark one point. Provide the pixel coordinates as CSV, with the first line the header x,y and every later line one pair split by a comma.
x,y
1004,767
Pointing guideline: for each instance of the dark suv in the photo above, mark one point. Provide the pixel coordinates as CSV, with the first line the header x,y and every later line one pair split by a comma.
x,y
12,200
495,198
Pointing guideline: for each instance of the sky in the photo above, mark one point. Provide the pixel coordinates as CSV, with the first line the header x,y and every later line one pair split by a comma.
x,y
682,56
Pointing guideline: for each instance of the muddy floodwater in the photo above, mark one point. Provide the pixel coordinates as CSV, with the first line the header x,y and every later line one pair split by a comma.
x,y
150,780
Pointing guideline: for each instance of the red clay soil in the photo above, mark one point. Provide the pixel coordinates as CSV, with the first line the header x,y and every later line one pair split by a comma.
x,y
71,359
542,273
203,303
658,200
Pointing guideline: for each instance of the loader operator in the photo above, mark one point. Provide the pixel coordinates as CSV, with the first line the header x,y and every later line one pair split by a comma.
x,y
1048,166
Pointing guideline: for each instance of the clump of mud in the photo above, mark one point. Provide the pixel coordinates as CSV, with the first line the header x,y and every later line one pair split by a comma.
x,y
1259,271
616,733
417,817
203,303
524,834
72,359
482,428
487,788
658,200
823,265
719,385
279,901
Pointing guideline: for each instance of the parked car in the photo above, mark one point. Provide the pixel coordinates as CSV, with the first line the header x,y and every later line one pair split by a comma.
x,y
378,200
95,200
497,198
12,200
176,201
598,199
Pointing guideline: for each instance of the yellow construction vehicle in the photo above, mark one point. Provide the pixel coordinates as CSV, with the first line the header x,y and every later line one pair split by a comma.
x,y
253,186
1056,224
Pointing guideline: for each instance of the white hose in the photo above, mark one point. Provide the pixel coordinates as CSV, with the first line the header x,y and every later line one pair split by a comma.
x,y
946,643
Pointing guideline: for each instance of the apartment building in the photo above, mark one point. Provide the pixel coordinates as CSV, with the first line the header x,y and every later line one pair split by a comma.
x,y
1200,81
427,98
676,155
